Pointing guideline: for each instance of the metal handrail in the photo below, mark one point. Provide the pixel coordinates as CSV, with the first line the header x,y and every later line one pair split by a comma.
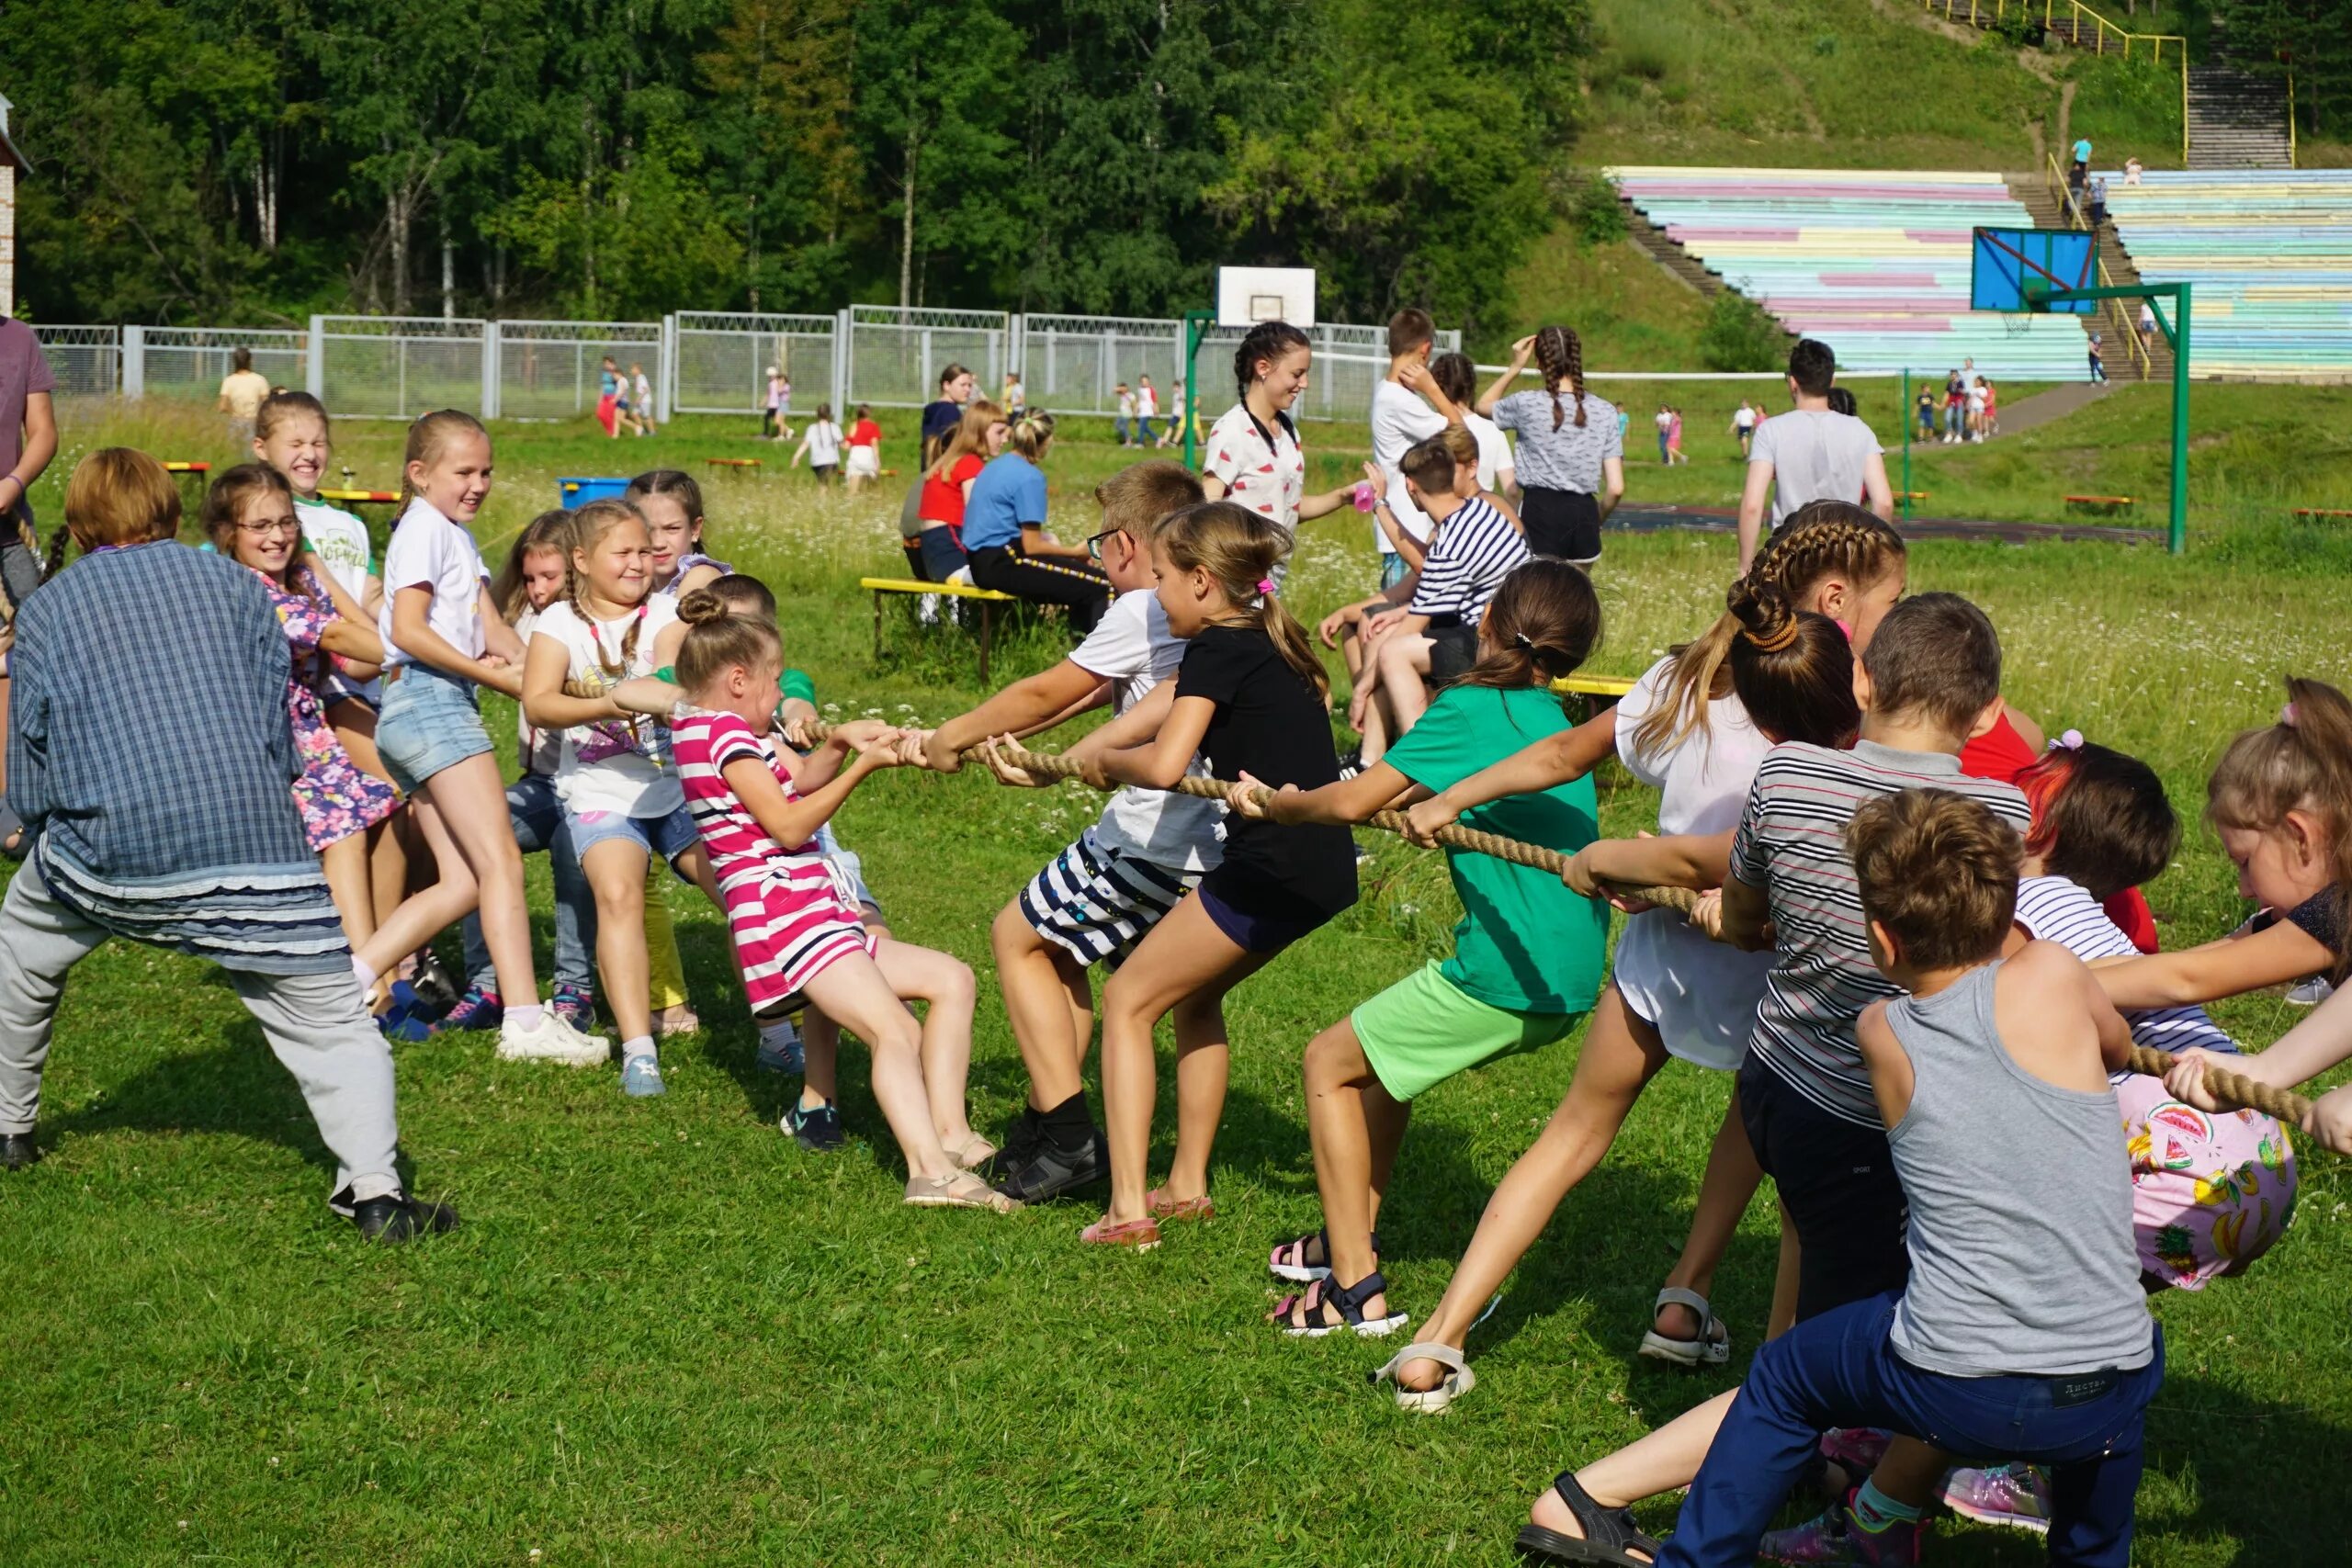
x,y
2126,328
1998,11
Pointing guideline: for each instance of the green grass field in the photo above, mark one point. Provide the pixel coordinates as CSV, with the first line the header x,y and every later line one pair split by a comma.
x,y
665,1335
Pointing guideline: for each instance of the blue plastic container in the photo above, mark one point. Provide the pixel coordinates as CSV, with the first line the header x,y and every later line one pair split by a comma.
x,y
576,491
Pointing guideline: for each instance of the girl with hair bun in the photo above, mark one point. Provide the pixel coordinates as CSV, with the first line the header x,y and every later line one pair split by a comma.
x,y
1571,458
1253,456
798,935
1695,727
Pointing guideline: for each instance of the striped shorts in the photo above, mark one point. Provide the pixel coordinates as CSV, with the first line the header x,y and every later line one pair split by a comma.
x,y
1098,903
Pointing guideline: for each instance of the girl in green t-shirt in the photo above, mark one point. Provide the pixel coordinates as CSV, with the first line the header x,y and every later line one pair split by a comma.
x,y
1527,957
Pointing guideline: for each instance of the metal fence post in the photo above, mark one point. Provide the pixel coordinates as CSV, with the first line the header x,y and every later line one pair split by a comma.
x,y
134,362
314,370
490,370
845,364
663,372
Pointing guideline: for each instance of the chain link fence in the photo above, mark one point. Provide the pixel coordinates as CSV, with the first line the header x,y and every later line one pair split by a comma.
x,y
401,367
87,361
555,370
720,361
190,362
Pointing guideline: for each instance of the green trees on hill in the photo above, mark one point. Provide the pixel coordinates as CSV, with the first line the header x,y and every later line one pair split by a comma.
x,y
248,159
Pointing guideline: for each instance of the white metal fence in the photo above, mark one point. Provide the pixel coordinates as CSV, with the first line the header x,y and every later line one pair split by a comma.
x,y
702,362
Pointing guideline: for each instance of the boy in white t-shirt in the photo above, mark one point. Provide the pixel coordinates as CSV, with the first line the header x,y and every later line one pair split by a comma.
x,y
1399,420
1147,410
1123,425
1100,895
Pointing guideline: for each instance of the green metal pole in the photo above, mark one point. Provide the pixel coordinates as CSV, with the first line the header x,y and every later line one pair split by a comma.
x,y
1903,505
2180,540
1194,321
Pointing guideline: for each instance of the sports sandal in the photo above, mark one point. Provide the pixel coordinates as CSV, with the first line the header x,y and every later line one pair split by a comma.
x,y
1712,1348
1459,1379
1308,1315
961,1190
1160,1206
1609,1535
1290,1260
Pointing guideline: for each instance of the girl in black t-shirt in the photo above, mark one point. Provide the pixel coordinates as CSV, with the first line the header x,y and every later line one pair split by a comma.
x,y
1249,698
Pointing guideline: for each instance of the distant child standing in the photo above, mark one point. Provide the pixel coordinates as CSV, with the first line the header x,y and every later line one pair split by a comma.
x,y
440,631
608,398
1122,424
768,420
821,442
784,407
1743,425
1571,456
1674,453
643,402
1250,699
1014,398
865,450
241,391
1146,411
1665,425
798,937
249,518
1178,412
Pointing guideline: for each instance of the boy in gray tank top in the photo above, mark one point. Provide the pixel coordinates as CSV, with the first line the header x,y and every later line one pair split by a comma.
x,y
2023,1332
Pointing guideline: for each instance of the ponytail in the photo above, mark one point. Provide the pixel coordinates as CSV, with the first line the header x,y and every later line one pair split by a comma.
x,y
426,438
1541,624
1240,549
1559,353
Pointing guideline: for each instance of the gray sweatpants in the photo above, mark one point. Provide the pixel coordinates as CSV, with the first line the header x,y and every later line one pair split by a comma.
x,y
317,1025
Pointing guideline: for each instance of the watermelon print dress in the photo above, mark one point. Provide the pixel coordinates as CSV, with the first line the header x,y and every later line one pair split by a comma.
x,y
1263,467
334,798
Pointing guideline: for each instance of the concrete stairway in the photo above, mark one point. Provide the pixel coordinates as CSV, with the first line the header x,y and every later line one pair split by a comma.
x,y
2236,119
1668,253
2122,363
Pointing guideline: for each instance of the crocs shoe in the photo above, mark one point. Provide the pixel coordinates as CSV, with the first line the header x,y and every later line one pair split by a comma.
x,y
1833,1538
641,1076
2013,1494
478,1009
576,1005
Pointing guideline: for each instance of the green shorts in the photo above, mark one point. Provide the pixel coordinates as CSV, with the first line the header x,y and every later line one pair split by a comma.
x,y
1424,1029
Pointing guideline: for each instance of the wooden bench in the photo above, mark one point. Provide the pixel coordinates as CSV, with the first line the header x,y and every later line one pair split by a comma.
x,y
178,466
2101,502
1910,495
1610,687
2322,512
361,497
987,598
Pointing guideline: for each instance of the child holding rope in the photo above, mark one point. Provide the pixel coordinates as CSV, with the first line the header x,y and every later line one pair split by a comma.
x,y
1775,667
798,937
1528,954
1098,897
537,573
444,638
1249,698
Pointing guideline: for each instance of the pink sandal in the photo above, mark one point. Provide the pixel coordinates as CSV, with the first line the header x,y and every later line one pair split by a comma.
x,y
1162,1207
1143,1234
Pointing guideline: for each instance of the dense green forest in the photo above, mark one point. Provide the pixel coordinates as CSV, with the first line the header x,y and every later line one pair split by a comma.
x,y
252,159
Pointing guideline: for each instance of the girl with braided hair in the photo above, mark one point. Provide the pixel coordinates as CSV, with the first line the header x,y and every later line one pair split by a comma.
x,y
1777,665
1571,459
1254,456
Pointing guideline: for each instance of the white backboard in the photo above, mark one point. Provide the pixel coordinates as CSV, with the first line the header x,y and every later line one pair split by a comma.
x,y
1248,294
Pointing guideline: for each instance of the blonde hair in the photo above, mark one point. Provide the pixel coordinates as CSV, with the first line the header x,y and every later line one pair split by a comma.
x,y
590,524
549,533
1240,550
1823,539
117,495
428,437
717,639
279,407
1140,494
2303,763
1030,434
971,436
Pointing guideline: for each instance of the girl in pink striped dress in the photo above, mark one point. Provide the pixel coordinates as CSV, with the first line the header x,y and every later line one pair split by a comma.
x,y
798,935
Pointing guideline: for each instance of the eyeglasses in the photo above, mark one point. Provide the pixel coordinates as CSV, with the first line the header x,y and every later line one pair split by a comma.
x,y
276,525
1094,542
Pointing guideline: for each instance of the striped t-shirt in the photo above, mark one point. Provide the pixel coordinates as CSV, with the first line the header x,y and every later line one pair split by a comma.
x,y
1790,846
2053,908
1475,549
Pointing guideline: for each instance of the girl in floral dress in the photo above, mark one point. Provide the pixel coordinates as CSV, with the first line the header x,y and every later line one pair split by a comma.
x,y
249,515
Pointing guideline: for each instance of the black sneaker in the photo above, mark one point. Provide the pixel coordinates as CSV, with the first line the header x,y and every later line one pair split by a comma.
x,y
1023,1138
398,1218
1351,764
1053,1170
433,985
17,1150
817,1130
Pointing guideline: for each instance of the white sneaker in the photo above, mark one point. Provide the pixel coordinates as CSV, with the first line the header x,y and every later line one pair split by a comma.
x,y
553,1041
2311,993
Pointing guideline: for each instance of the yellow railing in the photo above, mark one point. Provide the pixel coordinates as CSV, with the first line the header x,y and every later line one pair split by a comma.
x,y
2127,329
2079,19
2290,119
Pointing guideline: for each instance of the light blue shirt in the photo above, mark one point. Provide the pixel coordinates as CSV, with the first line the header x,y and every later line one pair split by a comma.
x,y
2083,151
1008,495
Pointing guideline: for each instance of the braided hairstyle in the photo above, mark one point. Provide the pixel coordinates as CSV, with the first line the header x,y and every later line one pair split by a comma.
x,y
1267,341
1559,353
1793,670
1823,539
590,524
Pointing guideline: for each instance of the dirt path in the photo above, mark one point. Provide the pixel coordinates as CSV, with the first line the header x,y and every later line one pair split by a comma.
x,y
1724,520
2055,404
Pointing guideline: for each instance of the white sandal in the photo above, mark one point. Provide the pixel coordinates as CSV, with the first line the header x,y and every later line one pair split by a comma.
x,y
961,1190
1712,1348
1459,1379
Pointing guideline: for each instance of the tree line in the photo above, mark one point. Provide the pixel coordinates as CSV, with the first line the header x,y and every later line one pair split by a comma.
x,y
251,161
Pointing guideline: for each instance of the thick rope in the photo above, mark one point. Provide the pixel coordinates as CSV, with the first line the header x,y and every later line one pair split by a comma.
x,y
2232,1090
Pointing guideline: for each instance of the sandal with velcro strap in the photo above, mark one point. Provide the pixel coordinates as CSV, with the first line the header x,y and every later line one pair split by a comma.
x,y
1712,1348
1320,1300
1289,1261
1459,1379
1610,1538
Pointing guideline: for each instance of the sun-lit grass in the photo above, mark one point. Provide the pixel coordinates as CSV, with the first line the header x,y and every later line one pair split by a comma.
x,y
664,1334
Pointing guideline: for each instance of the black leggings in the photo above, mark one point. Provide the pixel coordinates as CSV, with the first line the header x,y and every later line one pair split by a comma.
x,y
1563,522
1078,584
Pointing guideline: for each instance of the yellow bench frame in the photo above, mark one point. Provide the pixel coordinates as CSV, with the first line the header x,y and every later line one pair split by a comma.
x,y
988,599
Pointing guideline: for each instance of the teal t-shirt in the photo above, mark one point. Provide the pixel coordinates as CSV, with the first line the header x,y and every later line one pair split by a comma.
x,y
1526,944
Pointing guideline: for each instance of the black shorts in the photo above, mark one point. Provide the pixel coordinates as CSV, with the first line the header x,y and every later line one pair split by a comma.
x,y
1563,522
1452,650
937,553
1837,1180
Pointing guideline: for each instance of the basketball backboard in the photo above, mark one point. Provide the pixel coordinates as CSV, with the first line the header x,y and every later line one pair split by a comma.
x,y
1248,294
2016,269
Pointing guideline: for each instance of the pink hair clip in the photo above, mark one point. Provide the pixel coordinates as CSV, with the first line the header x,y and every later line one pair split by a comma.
x,y
2070,741
1265,586
2287,715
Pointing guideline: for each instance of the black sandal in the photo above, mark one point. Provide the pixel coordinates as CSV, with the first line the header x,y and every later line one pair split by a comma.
x,y
1289,1260
1609,1535
1348,1301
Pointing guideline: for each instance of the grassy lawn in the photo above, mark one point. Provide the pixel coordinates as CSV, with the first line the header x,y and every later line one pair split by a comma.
x,y
666,1335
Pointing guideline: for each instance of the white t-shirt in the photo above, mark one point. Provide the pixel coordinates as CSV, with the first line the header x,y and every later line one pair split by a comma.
x,y
341,543
1127,405
1132,647
1148,402
1494,449
541,751
429,550
614,766
1744,420
1815,456
1701,996
824,444
1399,420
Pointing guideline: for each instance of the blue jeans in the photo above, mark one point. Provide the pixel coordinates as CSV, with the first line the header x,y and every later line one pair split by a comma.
x,y
1840,1370
538,818
1119,428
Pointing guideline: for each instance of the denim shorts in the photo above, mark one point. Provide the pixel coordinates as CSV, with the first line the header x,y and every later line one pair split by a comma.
x,y
853,866
429,722
668,837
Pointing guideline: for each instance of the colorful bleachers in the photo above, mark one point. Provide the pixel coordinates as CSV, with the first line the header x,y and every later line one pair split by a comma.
x,y
1874,264
2269,253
